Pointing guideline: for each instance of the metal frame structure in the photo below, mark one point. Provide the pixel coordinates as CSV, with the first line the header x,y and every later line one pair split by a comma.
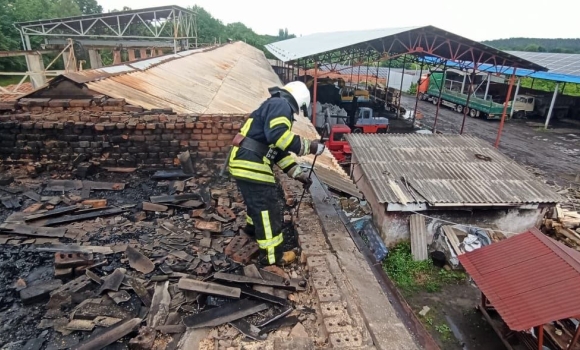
x,y
386,44
166,23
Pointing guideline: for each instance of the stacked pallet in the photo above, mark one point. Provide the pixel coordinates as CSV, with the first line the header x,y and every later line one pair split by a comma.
x,y
564,225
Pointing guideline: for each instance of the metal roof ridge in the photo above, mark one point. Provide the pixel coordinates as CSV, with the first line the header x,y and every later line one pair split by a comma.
x,y
559,249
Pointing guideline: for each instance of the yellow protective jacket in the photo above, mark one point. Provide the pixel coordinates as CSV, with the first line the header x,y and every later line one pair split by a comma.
x,y
271,125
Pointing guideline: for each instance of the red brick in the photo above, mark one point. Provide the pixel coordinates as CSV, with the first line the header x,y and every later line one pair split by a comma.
x,y
206,131
140,126
203,144
225,137
133,109
237,126
195,137
113,108
220,143
189,125
206,118
209,137
199,125
137,138
246,254
94,108
85,118
184,143
121,126
151,126
170,126
197,131
75,109
236,244
215,149
80,103
215,130
100,127
227,126
163,118
203,149
179,126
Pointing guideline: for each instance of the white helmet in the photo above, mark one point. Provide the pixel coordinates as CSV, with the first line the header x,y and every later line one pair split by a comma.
x,y
300,92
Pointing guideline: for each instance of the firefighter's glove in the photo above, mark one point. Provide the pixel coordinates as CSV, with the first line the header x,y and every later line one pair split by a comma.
x,y
316,147
297,173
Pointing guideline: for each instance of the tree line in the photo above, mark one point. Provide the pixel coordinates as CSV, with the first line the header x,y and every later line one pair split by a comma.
x,y
536,45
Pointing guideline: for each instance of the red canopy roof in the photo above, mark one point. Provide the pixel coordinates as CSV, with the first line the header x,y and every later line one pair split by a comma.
x,y
529,278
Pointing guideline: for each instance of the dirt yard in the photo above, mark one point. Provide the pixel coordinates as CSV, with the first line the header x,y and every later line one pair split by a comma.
x,y
556,152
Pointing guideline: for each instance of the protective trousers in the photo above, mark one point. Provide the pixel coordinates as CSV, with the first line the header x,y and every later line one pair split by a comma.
x,y
264,220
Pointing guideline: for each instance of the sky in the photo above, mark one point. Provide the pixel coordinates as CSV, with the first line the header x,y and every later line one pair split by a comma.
x,y
476,20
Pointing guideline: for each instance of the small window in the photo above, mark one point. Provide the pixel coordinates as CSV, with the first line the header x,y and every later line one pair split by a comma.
x,y
530,100
339,136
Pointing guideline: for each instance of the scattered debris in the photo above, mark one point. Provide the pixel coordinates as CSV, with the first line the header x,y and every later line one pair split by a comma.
x,y
563,225
143,261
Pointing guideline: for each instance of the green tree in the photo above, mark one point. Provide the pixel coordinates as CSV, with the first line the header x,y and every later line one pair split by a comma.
x,y
88,7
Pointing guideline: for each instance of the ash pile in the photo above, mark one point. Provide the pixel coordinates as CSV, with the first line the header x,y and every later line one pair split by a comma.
x,y
129,259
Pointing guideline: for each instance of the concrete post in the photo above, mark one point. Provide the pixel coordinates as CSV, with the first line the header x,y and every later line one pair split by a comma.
x,y
95,59
36,70
159,52
143,53
515,97
463,83
552,105
131,54
117,57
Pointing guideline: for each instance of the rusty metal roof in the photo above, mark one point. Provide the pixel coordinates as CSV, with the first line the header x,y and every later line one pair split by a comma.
x,y
230,79
444,170
529,278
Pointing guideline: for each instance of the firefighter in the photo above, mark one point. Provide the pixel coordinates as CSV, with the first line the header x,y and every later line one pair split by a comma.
x,y
265,140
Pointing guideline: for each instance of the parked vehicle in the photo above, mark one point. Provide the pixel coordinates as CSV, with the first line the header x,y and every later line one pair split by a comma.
x,y
539,106
477,107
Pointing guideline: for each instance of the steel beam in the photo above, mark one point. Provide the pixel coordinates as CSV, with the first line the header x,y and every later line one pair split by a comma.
x,y
552,105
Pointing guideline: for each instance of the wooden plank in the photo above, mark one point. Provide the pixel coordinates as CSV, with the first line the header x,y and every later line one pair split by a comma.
x,y
418,237
154,207
170,174
95,203
209,288
74,218
120,170
251,280
109,336
67,185
224,314
35,231
159,305
50,213
450,234
174,198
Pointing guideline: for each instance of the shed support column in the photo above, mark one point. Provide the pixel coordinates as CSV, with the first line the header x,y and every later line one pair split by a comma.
x,y
143,53
541,337
401,88
469,93
463,82
503,114
575,339
36,70
487,86
515,97
417,93
95,58
315,93
552,105
439,97
27,42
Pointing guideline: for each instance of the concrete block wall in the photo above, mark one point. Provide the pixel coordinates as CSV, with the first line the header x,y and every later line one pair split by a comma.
x,y
114,138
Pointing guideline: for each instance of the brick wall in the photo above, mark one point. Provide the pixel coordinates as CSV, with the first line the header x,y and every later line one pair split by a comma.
x,y
115,138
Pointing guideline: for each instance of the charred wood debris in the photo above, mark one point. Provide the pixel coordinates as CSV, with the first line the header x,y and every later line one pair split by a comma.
x,y
124,257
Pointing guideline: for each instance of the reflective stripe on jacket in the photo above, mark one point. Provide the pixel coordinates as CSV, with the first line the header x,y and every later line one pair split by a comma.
x,y
270,124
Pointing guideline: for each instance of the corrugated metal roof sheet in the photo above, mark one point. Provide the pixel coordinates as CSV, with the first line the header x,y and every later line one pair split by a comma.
x,y
444,170
232,79
529,278
446,45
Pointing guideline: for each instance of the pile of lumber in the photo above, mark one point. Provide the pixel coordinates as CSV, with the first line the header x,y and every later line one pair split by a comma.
x,y
564,225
